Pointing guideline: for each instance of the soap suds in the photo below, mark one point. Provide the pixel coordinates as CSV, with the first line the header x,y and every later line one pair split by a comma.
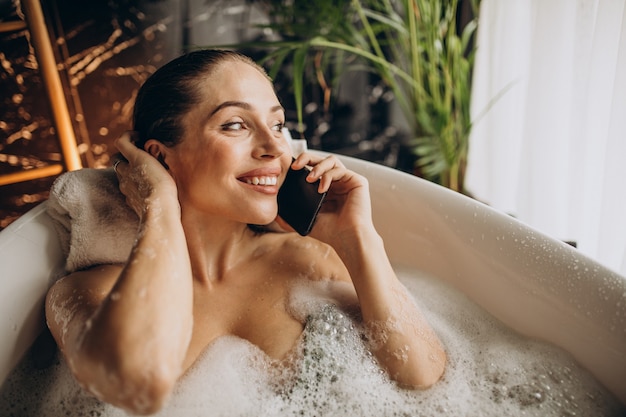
x,y
492,371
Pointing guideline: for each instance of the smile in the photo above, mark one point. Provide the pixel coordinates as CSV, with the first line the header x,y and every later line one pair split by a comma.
x,y
264,180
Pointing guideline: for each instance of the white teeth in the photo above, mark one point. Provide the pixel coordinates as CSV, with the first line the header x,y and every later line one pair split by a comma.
x,y
262,180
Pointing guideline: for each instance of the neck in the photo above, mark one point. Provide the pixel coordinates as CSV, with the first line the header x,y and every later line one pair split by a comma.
x,y
215,246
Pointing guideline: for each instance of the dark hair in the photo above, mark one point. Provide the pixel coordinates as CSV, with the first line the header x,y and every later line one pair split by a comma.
x,y
169,93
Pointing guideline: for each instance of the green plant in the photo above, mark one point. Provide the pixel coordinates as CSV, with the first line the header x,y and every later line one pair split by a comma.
x,y
412,45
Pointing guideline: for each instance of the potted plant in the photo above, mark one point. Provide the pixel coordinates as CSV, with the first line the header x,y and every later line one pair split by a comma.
x,y
414,46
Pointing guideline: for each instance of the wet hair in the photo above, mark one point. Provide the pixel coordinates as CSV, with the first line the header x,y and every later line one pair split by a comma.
x,y
168,94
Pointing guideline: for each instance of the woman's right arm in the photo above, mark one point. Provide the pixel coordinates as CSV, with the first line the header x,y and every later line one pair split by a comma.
x,y
125,330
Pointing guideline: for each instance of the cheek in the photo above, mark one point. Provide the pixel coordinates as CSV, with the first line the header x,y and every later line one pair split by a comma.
x,y
187,172
189,161
266,214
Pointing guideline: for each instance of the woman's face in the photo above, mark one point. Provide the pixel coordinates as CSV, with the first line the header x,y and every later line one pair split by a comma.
x,y
233,156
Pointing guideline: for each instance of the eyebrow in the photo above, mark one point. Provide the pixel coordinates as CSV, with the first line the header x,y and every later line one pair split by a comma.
x,y
243,105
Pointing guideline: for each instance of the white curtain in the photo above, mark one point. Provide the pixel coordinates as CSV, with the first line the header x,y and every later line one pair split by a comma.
x,y
549,104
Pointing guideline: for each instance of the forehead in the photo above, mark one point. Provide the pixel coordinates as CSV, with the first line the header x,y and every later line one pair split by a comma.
x,y
235,80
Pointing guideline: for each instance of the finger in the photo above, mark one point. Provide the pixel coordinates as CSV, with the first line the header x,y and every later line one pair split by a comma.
x,y
335,175
325,169
115,164
326,180
306,159
124,145
116,159
329,171
325,166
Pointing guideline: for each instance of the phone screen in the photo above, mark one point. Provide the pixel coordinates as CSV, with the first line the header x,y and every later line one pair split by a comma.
x,y
299,201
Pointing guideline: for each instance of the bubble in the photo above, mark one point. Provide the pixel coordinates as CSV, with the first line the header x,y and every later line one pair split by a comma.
x,y
492,371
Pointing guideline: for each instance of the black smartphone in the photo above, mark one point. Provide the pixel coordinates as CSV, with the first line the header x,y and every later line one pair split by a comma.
x,y
299,201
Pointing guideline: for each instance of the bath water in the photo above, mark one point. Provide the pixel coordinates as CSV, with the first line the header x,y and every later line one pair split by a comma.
x,y
492,371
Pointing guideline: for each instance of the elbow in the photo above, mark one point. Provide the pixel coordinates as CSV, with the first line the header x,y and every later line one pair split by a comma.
x,y
430,372
134,387
147,396
141,393
421,374
147,399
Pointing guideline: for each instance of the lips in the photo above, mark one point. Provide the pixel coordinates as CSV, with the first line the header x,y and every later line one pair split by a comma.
x,y
267,177
263,180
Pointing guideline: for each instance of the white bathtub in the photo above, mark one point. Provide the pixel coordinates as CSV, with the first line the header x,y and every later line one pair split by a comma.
x,y
537,285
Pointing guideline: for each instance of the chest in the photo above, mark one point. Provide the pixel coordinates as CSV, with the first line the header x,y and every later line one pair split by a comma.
x,y
250,304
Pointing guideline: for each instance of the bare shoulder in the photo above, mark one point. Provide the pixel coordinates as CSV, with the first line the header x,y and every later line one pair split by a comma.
x,y
308,257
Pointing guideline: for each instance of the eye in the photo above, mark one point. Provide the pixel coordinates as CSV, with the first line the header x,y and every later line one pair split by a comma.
x,y
278,126
232,126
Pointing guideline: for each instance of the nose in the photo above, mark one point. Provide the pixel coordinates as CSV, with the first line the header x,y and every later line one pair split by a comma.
x,y
269,143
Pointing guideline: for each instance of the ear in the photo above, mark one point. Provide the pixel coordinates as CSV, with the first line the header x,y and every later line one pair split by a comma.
x,y
158,150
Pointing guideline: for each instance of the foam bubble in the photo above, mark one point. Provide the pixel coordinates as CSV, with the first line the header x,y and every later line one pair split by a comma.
x,y
492,371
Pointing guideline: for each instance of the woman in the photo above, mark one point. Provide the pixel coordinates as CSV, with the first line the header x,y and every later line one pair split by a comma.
x,y
207,162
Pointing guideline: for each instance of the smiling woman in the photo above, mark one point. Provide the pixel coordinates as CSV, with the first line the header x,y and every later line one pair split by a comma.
x,y
207,161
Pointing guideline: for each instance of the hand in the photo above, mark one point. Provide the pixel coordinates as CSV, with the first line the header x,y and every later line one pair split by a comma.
x,y
142,179
347,206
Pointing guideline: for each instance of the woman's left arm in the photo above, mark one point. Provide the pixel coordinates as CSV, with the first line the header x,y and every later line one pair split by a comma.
x,y
401,338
